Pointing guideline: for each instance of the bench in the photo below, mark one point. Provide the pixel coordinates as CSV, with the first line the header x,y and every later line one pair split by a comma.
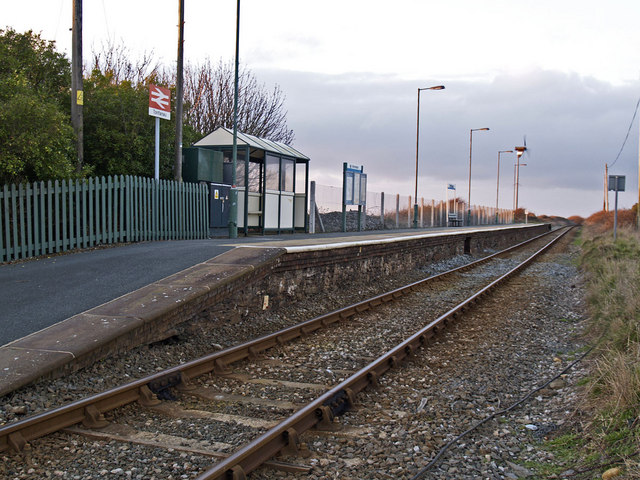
x,y
454,220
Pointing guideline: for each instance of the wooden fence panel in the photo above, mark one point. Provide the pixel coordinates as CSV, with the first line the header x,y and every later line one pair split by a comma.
x,y
43,218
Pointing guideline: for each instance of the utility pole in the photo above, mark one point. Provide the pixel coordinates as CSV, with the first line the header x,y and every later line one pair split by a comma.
x,y
233,193
177,164
605,207
77,94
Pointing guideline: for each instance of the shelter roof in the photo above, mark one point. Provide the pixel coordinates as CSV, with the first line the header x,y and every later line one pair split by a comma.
x,y
223,137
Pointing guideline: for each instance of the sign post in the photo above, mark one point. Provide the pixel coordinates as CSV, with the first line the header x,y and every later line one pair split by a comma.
x,y
354,191
616,183
159,107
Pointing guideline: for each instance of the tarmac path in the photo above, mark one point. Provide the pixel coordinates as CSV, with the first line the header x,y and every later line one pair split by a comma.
x,y
37,293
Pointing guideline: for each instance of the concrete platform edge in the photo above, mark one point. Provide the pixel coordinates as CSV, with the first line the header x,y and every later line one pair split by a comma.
x,y
134,318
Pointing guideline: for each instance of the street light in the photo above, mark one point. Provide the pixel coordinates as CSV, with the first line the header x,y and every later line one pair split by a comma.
x,y
470,149
516,179
415,205
498,180
519,152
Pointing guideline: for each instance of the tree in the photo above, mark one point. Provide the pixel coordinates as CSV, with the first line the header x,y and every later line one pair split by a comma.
x,y
36,139
209,96
45,71
119,133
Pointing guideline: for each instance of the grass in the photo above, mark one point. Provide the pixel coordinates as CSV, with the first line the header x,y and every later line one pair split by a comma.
x,y
611,434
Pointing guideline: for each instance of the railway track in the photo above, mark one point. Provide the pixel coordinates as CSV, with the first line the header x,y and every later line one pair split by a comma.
x,y
250,398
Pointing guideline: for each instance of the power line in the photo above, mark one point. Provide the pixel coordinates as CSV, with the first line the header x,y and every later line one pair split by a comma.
x,y
627,136
106,22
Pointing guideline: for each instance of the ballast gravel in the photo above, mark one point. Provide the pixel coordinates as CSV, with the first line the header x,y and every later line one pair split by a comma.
x,y
506,348
522,336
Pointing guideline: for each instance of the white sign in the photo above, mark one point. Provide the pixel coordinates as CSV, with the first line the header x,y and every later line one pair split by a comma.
x,y
159,102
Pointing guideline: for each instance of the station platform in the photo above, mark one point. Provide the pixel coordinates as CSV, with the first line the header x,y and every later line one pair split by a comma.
x,y
57,309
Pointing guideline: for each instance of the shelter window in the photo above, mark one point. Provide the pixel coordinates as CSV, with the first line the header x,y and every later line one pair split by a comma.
x,y
254,177
240,156
287,175
272,172
240,174
301,179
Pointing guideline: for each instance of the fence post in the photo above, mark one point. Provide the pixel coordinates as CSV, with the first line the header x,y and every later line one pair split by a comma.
x,y
128,209
110,205
382,209
397,210
7,225
30,229
3,199
312,207
66,208
20,221
117,195
56,207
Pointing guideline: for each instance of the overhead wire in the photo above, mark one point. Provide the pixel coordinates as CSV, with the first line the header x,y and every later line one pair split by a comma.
x,y
106,22
55,34
627,136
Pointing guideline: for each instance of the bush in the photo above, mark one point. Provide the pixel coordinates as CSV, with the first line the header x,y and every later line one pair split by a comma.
x,y
613,274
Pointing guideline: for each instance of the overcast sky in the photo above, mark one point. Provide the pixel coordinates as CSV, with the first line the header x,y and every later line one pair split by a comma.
x,y
565,73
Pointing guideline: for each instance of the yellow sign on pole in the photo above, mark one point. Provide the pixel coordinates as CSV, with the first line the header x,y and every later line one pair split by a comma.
x,y
79,97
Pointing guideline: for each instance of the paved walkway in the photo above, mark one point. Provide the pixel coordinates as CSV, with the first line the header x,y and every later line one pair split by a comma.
x,y
38,293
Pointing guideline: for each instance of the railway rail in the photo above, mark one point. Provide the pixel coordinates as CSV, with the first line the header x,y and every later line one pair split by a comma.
x,y
285,435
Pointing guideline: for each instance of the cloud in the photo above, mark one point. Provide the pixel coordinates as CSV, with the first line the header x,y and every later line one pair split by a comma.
x,y
573,126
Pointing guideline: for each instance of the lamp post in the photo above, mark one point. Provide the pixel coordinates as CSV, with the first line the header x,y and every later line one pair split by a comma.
x,y
516,179
519,152
498,180
470,150
415,198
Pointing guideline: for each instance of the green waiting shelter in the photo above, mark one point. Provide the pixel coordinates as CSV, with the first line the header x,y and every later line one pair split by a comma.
x,y
272,180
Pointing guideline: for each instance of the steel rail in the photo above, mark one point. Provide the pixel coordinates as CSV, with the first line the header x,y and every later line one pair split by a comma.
x,y
323,410
90,410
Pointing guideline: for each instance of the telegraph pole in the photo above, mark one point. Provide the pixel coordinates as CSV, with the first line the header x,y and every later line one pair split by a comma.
x,y
233,193
177,164
77,94
605,207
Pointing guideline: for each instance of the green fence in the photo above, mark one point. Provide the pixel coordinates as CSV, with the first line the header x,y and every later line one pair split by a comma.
x,y
43,218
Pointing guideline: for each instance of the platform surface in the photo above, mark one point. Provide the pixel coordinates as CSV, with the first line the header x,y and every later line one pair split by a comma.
x,y
40,292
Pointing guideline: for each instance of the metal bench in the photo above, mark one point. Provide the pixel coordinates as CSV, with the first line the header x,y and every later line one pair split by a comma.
x,y
454,220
